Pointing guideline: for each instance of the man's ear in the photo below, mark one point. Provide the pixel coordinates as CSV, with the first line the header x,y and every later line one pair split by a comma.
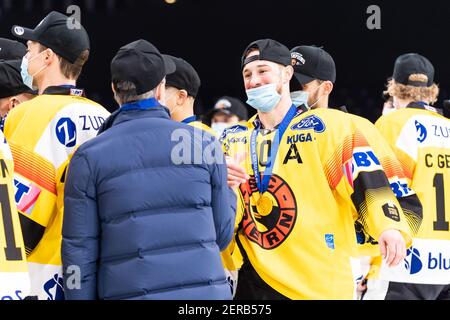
x,y
11,103
182,96
288,73
49,56
328,87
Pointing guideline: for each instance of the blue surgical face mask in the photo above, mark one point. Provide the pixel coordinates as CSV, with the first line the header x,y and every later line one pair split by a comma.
x,y
264,98
26,77
300,98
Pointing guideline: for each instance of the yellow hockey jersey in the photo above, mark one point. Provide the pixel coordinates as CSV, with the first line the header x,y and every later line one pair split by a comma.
x,y
43,133
14,279
398,181
420,138
367,246
325,177
202,126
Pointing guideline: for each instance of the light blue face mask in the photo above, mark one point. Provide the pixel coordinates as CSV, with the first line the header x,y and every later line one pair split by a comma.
x,y
264,98
26,77
300,98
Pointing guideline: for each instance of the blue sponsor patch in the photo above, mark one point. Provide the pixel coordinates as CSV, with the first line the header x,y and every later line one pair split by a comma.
x,y
365,159
54,288
413,262
329,239
66,132
233,129
311,122
421,131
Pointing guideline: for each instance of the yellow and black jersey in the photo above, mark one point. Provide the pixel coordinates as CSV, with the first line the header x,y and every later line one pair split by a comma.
x,y
398,181
299,236
43,133
14,279
420,138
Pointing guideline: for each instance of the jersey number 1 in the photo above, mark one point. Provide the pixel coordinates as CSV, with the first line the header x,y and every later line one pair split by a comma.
x,y
12,253
440,224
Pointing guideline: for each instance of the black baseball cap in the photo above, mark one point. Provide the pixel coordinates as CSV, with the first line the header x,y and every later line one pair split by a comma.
x,y
11,82
230,106
413,63
11,49
269,50
312,63
184,78
141,63
59,33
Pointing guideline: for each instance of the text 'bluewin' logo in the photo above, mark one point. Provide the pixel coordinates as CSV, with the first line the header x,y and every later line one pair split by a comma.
x,y
412,261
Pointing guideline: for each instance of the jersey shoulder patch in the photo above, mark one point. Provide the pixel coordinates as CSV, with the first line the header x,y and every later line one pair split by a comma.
x,y
232,130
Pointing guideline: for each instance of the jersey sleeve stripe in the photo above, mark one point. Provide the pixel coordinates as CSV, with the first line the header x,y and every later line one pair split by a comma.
x,y
34,168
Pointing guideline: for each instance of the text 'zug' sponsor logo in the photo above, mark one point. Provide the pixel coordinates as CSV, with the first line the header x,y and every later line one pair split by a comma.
x,y
66,129
441,132
91,122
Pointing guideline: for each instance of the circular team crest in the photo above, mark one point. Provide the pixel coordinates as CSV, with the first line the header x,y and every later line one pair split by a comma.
x,y
269,225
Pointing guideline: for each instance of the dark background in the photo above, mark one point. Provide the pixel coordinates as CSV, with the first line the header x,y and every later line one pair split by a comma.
x,y
211,35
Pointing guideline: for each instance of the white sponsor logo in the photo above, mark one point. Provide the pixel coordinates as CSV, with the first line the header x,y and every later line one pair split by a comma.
x,y
19,31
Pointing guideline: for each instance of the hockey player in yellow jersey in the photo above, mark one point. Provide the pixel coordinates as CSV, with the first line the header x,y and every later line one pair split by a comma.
x,y
420,138
227,112
43,133
14,279
312,84
181,90
307,171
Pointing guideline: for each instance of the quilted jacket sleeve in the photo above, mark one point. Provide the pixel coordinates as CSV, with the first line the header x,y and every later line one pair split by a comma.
x,y
80,244
223,200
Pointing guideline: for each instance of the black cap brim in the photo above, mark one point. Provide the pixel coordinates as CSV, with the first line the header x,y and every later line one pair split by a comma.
x,y
23,33
169,65
303,79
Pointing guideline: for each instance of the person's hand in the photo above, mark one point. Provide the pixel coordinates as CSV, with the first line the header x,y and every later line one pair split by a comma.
x,y
392,247
361,288
236,173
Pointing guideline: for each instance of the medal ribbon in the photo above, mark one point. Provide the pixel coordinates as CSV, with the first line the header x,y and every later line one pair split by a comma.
x,y
263,184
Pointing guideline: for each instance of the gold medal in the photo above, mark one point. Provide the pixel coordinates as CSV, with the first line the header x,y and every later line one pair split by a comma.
x,y
264,205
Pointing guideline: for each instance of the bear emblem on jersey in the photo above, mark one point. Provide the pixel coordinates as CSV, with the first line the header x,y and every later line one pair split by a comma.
x,y
268,225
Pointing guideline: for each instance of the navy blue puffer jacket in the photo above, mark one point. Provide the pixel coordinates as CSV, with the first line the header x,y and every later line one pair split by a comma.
x,y
137,225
